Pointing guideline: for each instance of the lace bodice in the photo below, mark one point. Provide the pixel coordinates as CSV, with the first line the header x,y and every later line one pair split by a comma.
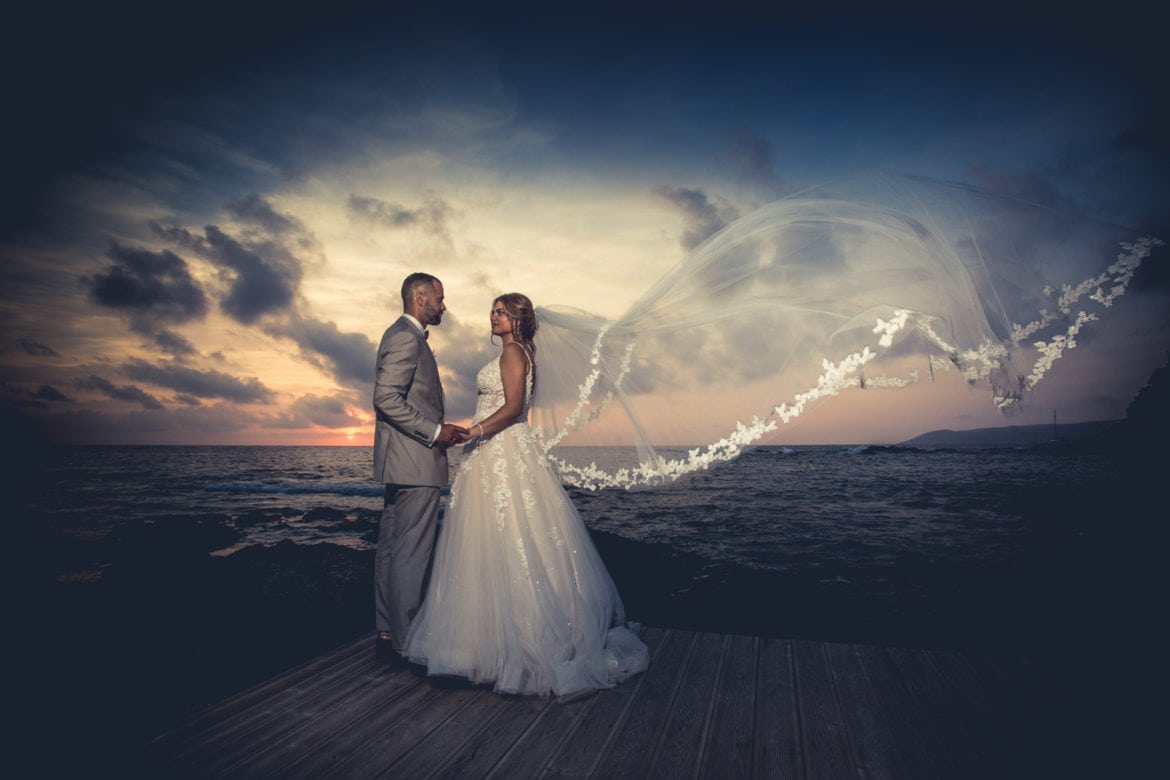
x,y
489,387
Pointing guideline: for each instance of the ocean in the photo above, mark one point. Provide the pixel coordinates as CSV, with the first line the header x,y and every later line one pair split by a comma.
x,y
825,512
151,581
891,531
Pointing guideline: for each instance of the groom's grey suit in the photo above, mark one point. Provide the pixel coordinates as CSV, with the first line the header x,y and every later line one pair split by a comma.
x,y
408,405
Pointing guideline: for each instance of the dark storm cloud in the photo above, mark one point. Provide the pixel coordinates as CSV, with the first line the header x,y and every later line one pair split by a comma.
x,y
182,238
431,216
174,344
148,288
49,393
256,210
261,219
119,392
349,357
202,384
196,422
263,264
38,349
326,411
701,217
265,278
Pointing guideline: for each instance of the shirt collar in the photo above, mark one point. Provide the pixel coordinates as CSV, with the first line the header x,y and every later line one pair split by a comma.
x,y
413,321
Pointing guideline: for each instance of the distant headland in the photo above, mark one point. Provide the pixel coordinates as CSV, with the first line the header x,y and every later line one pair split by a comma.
x,y
1012,435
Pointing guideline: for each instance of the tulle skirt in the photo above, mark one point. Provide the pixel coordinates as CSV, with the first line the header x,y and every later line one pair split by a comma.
x,y
518,595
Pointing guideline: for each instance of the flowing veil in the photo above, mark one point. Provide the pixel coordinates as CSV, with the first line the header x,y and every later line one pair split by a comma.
x,y
870,283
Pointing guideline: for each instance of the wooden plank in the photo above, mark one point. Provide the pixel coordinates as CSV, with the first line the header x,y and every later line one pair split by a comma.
x,y
979,731
369,732
826,742
236,745
629,752
317,734
581,750
530,753
249,724
401,737
728,743
485,747
710,706
865,719
778,736
449,738
911,717
680,747
541,738
260,695
938,703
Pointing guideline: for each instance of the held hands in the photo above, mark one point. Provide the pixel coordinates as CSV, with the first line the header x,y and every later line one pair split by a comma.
x,y
452,434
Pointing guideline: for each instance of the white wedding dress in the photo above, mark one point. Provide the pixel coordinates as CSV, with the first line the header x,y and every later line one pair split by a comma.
x,y
519,596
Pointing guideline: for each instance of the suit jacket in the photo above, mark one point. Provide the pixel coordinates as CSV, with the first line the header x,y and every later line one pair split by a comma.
x,y
408,406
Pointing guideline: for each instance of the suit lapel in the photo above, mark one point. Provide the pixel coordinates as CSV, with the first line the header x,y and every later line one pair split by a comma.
x,y
426,348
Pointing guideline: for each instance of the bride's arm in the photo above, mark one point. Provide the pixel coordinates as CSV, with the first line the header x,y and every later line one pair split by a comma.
x,y
513,371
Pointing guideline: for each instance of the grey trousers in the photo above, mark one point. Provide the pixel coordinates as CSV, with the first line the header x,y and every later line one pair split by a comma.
x,y
402,563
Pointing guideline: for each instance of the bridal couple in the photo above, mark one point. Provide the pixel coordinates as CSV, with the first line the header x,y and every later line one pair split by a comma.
x,y
512,591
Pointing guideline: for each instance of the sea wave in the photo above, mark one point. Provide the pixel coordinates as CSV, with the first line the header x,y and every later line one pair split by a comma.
x,y
297,488
303,488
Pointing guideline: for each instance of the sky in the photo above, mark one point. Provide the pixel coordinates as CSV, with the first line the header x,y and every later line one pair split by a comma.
x,y
208,211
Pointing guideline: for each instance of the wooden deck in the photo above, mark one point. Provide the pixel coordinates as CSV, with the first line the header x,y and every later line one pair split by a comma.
x,y
711,705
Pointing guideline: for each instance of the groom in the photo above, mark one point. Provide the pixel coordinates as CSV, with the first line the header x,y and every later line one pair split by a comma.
x,y
410,456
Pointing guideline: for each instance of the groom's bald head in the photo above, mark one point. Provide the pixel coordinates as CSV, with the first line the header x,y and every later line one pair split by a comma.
x,y
422,298
416,283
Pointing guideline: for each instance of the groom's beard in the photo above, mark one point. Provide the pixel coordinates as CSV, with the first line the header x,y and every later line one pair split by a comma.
x,y
433,315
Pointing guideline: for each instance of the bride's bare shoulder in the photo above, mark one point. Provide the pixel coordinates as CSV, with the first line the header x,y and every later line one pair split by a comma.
x,y
520,352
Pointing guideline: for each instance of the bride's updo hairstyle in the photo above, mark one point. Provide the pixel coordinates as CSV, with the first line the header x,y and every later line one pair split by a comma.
x,y
523,315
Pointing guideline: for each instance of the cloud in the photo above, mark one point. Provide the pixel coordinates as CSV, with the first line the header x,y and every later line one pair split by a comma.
x,y
38,349
431,216
196,424
201,384
701,217
349,357
264,279
326,411
174,344
49,393
256,210
263,265
37,399
181,237
257,213
148,288
119,393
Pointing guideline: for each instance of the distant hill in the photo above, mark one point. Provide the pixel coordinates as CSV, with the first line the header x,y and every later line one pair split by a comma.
x,y
1011,435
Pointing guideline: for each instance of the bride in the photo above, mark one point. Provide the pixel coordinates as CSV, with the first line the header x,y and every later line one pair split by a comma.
x,y
518,596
